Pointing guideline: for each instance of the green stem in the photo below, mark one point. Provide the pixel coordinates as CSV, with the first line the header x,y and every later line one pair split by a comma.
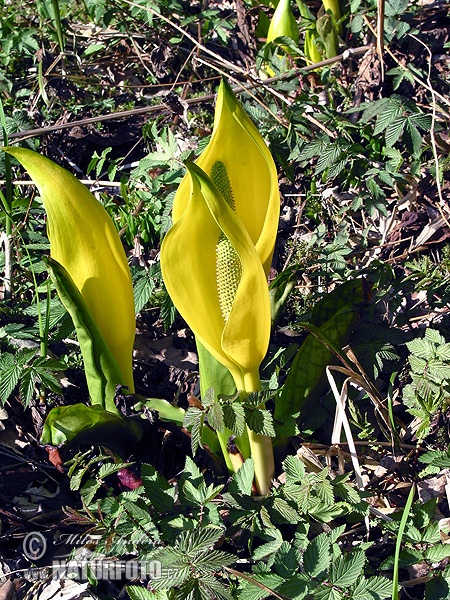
x,y
261,447
46,324
42,333
398,545
262,454
7,205
234,461
58,24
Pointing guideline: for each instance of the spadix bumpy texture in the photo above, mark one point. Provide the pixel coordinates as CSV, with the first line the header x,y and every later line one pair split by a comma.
x,y
237,144
84,241
233,204
228,263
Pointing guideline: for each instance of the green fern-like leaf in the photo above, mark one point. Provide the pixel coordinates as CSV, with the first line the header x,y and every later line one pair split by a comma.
x,y
234,417
346,570
260,421
242,480
161,494
316,559
193,543
139,593
373,588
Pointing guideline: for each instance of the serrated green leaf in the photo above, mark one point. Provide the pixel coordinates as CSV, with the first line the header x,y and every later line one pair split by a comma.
x,y
422,121
294,469
346,570
136,592
11,368
374,588
242,480
282,512
27,385
316,559
330,154
286,561
110,468
89,489
413,534
194,494
43,373
394,131
159,491
312,148
424,516
213,589
234,417
269,548
143,289
431,535
194,419
325,491
215,417
251,591
372,109
212,561
328,594
439,458
260,421
297,588
414,137
194,542
390,113
326,513
192,415
336,533
192,471
171,577
437,552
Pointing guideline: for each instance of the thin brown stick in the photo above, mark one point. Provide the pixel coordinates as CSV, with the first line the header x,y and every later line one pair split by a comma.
x,y
413,75
243,88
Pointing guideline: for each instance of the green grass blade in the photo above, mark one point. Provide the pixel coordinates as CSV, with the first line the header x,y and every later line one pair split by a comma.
x,y
398,545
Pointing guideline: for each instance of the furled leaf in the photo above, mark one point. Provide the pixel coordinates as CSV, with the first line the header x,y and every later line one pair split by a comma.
x,y
335,315
102,372
93,425
84,240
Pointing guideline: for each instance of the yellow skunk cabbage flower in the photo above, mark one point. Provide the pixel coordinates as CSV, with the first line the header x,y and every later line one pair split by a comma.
x,y
84,241
216,280
283,23
239,163
216,257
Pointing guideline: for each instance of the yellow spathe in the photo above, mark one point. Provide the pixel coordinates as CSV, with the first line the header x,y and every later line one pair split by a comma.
x,y
237,143
84,241
189,266
283,23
